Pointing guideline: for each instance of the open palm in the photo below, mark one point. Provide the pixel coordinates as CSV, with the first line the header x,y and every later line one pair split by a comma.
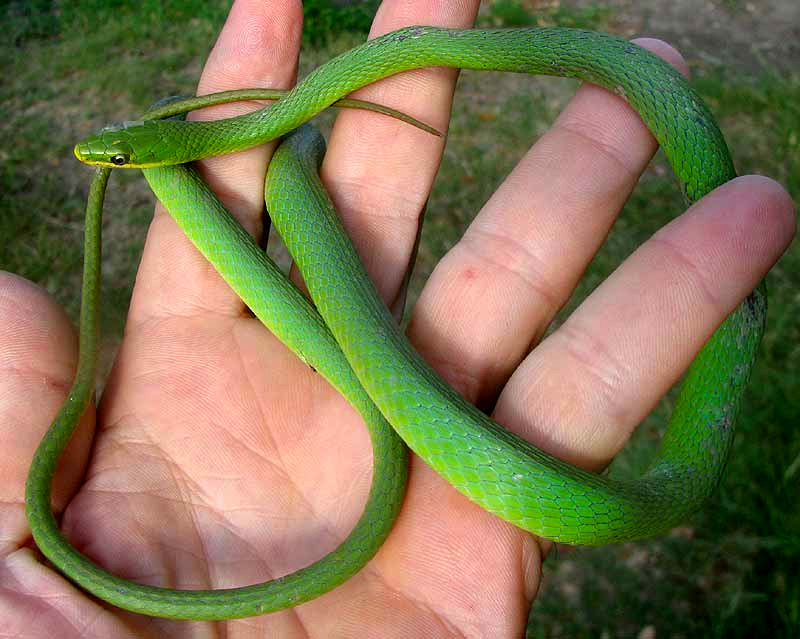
x,y
220,460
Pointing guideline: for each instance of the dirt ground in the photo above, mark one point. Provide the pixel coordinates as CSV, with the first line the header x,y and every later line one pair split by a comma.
x,y
748,35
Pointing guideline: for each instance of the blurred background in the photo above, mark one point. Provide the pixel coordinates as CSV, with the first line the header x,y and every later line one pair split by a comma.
x,y
733,570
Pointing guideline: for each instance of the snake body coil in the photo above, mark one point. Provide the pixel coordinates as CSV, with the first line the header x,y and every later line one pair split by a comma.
x,y
498,470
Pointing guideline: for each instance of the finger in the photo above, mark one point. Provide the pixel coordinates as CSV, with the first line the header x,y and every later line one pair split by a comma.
x,y
257,47
38,351
580,393
379,171
496,291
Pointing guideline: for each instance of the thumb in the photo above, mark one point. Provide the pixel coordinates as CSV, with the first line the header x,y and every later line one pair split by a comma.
x,y
38,356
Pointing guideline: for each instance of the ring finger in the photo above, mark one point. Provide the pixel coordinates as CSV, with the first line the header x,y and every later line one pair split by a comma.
x,y
496,291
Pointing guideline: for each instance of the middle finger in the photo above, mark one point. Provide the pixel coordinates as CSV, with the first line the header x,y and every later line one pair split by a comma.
x,y
379,171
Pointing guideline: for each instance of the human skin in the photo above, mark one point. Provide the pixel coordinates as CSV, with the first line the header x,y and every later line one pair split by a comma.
x,y
217,459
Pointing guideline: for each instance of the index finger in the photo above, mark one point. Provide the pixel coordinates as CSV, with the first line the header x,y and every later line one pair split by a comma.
x,y
257,47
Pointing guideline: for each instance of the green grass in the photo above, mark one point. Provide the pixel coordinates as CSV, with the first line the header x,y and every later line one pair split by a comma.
x,y
732,570
325,21
514,13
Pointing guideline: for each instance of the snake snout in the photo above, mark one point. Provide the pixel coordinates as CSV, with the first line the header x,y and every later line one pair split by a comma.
x,y
99,150
81,151
92,151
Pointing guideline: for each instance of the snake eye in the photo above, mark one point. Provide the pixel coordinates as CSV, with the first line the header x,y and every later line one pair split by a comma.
x,y
120,159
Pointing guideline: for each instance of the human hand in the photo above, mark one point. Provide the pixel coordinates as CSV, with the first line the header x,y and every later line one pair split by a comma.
x,y
212,462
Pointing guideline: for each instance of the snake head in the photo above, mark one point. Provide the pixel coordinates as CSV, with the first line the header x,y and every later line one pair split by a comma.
x,y
127,145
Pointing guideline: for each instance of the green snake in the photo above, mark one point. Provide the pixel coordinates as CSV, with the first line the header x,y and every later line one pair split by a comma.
x,y
349,336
